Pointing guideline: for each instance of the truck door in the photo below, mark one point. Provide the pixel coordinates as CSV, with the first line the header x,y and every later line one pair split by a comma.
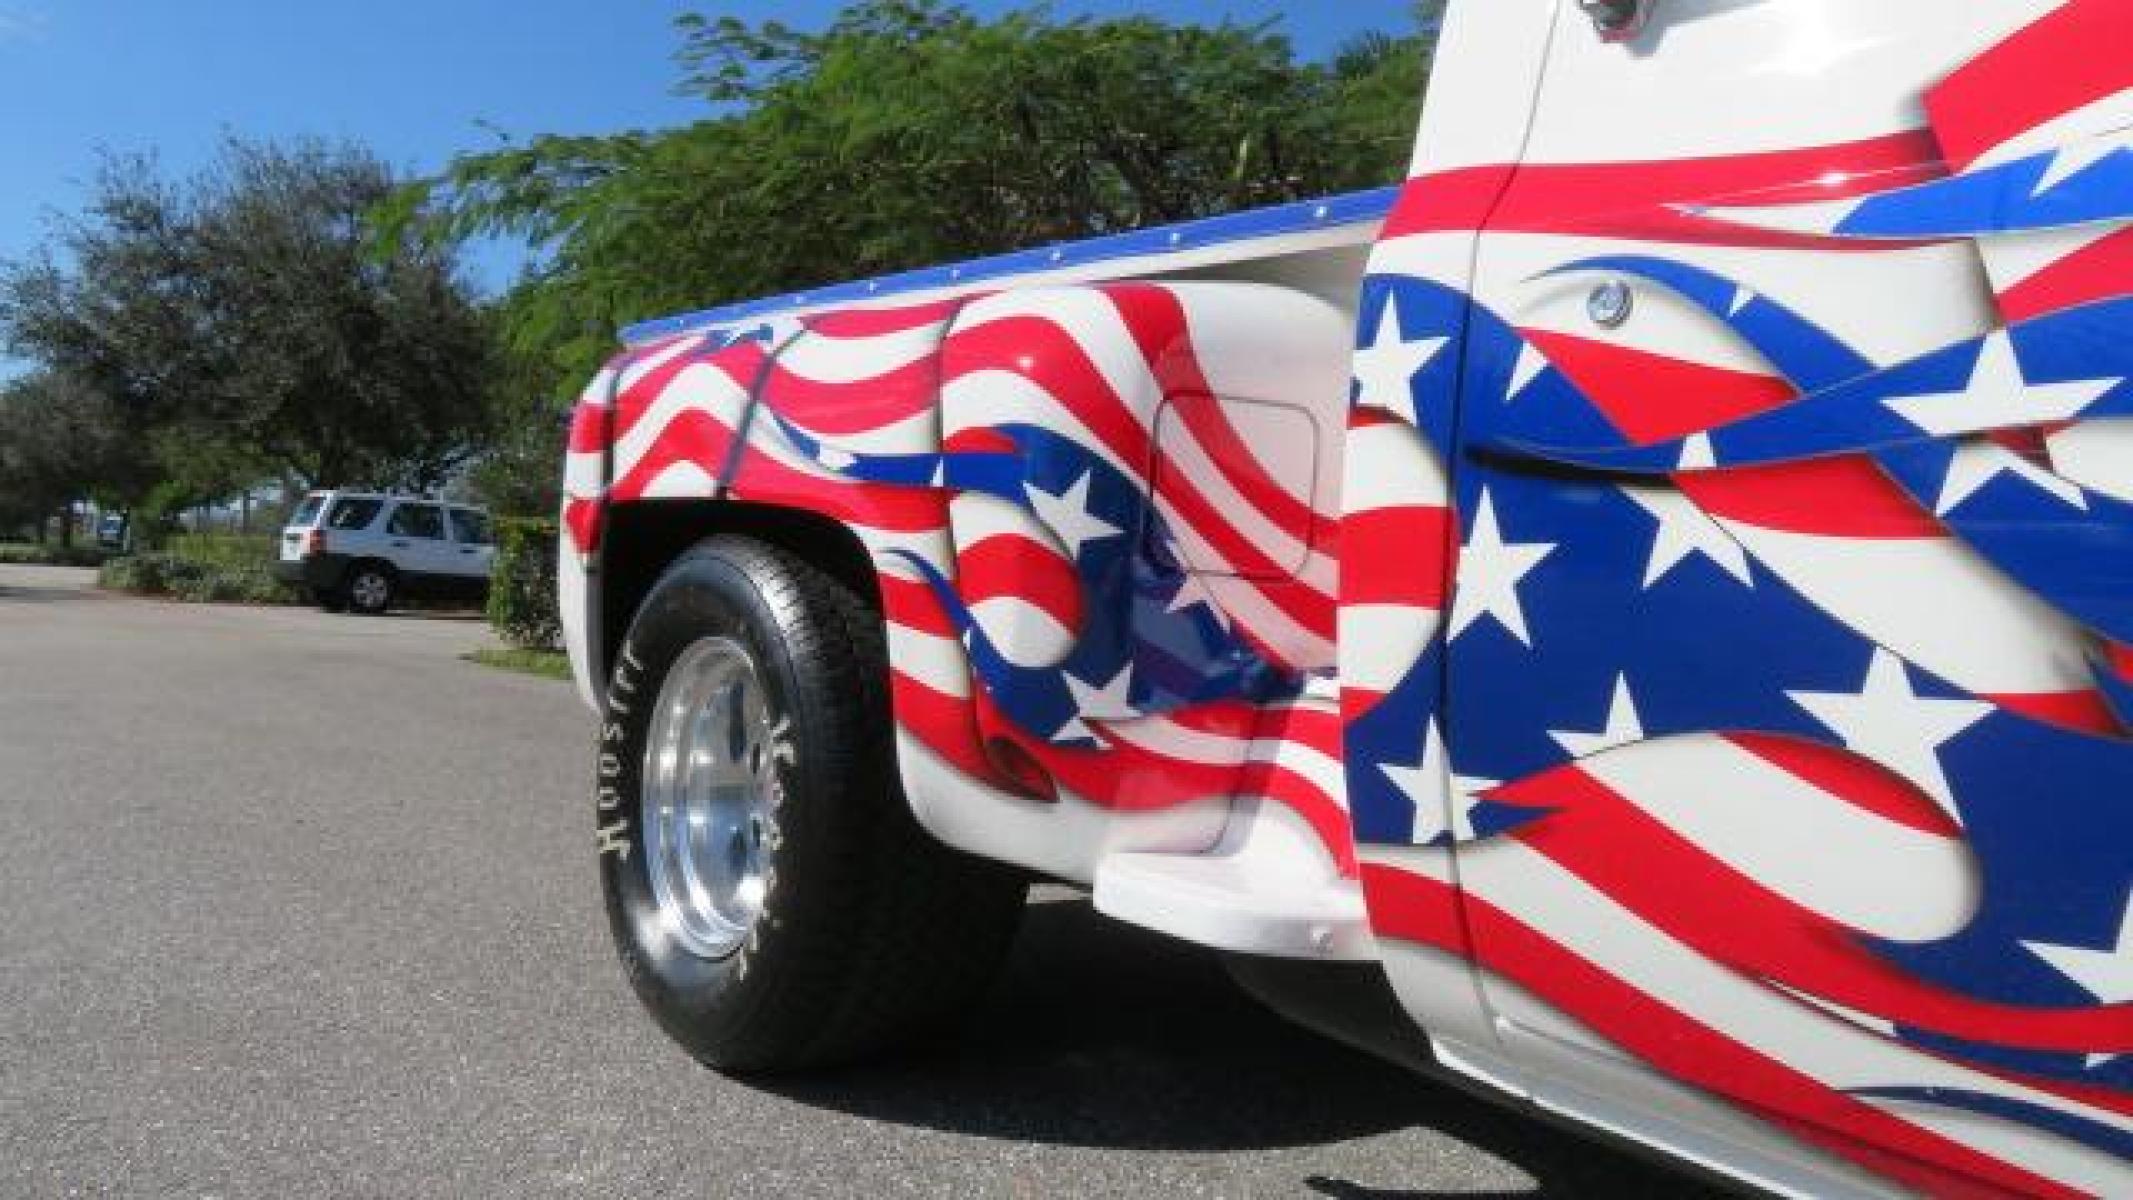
x,y
1787,775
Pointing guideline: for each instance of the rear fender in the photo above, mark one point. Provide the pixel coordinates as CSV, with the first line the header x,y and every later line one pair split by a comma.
x,y
896,424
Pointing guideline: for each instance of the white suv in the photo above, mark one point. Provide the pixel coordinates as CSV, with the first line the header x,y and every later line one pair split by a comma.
x,y
362,550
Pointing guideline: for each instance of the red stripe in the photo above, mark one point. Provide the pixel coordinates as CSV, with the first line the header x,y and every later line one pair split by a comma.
x,y
1299,795
2100,269
1233,719
1050,358
1411,908
1372,417
1394,558
1638,200
1357,703
1852,779
697,437
1678,1045
912,604
877,322
1008,565
1156,318
741,364
1653,871
944,724
1848,497
2070,59
1207,420
1128,778
2084,711
1654,398
582,519
1448,202
588,429
764,480
980,440
833,410
1306,725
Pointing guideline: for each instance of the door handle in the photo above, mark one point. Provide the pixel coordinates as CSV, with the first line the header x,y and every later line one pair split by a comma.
x,y
1618,20
399,545
466,549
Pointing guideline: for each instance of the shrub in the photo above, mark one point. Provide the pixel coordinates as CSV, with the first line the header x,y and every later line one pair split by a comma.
x,y
189,579
522,605
134,573
224,549
32,554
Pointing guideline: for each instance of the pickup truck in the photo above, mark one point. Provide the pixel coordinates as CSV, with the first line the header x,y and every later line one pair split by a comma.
x,y
1638,617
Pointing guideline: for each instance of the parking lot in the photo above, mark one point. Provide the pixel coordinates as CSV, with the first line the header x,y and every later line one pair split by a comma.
x,y
298,904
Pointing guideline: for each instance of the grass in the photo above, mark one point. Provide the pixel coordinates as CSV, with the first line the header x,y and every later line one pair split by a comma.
x,y
51,555
548,664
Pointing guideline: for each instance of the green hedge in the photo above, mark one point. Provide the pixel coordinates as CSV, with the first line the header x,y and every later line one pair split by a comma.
x,y
190,579
32,554
522,605
224,549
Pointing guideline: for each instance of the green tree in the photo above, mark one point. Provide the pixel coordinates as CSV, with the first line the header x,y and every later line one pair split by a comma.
x,y
242,325
62,442
906,133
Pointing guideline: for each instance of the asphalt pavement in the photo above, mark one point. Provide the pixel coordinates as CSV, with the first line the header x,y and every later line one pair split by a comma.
x,y
294,904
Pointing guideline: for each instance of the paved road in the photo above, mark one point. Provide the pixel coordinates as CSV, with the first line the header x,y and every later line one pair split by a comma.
x,y
293,904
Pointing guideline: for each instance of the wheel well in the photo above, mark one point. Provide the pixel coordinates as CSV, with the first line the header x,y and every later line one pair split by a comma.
x,y
643,538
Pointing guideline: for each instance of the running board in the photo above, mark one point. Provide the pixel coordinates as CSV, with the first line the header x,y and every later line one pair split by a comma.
x,y
1239,902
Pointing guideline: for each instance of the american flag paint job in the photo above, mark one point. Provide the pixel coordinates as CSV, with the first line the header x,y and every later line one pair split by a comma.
x,y
1774,732
998,456
1734,726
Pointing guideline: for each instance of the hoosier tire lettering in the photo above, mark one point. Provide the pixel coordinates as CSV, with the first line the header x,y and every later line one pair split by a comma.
x,y
612,837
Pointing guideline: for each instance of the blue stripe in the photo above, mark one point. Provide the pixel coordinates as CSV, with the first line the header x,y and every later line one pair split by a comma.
x,y
2109,1139
1332,213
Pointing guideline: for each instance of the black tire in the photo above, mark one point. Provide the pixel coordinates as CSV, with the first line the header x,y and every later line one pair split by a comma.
x,y
362,598
871,934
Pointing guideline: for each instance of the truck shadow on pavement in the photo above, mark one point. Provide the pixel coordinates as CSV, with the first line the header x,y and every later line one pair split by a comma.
x,y
1103,1035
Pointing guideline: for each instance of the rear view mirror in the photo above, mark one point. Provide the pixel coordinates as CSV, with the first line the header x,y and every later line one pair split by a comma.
x,y
1618,20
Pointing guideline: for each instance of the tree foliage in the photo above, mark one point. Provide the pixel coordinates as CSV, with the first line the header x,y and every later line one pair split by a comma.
x,y
237,325
55,433
910,132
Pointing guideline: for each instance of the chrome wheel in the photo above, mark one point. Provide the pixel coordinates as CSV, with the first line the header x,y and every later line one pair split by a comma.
x,y
370,590
707,797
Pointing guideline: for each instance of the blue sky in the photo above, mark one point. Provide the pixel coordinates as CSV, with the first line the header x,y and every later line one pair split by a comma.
x,y
415,80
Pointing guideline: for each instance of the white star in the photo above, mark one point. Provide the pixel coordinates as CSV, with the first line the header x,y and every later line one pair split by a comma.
x,y
1697,453
1438,814
1191,594
1685,529
1107,703
1068,516
1531,362
1998,395
2075,157
1978,463
835,459
1074,733
1386,368
2106,974
1742,298
1623,726
1489,573
1893,725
